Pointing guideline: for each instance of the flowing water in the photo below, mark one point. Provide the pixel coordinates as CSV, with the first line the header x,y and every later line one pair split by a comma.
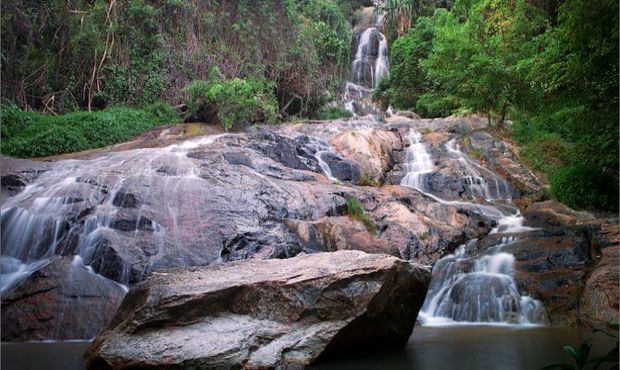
x,y
35,224
470,288
370,64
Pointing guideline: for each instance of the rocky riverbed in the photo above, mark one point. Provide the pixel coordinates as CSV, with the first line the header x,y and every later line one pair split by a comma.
x,y
78,232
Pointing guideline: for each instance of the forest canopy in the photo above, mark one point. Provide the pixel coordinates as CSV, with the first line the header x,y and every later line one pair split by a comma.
x,y
549,67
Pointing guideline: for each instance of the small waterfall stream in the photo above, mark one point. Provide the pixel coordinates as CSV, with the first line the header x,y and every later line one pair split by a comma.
x,y
470,288
369,65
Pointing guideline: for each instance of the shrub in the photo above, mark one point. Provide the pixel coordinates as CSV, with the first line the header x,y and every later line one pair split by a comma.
x,y
356,211
32,134
585,187
235,102
334,113
367,180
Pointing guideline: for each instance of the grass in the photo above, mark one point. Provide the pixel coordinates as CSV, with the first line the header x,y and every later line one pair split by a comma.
x,y
27,134
356,211
367,180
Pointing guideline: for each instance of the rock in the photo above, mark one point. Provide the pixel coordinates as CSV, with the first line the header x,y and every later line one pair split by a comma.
x,y
340,233
551,265
408,114
371,148
423,229
15,174
264,313
548,214
62,300
341,168
502,157
599,305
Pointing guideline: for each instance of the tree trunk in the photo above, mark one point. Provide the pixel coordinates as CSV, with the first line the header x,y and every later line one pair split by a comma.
x,y
502,115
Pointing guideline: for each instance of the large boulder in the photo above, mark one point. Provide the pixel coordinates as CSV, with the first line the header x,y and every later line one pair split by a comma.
x,y
260,314
62,300
372,148
599,304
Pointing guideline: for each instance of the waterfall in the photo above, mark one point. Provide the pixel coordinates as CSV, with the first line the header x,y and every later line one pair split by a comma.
x,y
418,161
369,65
478,289
37,226
468,288
371,59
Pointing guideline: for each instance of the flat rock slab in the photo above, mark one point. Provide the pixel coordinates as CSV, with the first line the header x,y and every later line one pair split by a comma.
x,y
264,313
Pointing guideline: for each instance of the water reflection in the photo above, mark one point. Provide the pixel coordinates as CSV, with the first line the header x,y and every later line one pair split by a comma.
x,y
475,348
465,347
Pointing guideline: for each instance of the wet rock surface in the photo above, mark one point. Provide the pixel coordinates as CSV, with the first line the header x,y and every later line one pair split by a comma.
x,y
571,270
267,314
265,194
64,292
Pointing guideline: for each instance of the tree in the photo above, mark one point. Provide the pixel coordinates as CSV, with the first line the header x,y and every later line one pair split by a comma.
x,y
477,59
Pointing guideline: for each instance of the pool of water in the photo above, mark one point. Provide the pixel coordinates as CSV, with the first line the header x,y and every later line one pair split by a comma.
x,y
436,348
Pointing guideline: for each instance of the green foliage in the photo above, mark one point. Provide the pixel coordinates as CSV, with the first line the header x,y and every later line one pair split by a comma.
x,y
407,80
32,134
355,209
331,112
367,180
135,52
553,68
581,355
584,186
236,101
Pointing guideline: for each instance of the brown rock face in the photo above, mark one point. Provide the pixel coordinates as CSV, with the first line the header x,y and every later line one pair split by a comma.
x,y
260,314
572,270
62,300
370,147
599,304
340,233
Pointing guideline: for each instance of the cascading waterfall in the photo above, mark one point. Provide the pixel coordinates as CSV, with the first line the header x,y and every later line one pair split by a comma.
x,y
478,289
369,65
479,187
35,225
467,288
418,161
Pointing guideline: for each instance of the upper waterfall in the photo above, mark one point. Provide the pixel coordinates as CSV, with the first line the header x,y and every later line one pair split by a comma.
x,y
369,65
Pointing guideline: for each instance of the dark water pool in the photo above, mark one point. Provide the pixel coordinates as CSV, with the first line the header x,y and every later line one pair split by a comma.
x,y
434,348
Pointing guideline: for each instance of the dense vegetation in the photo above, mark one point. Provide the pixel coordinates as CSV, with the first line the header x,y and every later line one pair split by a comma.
x,y
33,134
550,67
233,62
93,54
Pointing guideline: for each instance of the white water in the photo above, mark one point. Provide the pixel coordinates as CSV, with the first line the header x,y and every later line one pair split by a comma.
x,y
34,222
380,67
478,289
479,187
473,289
367,69
418,161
